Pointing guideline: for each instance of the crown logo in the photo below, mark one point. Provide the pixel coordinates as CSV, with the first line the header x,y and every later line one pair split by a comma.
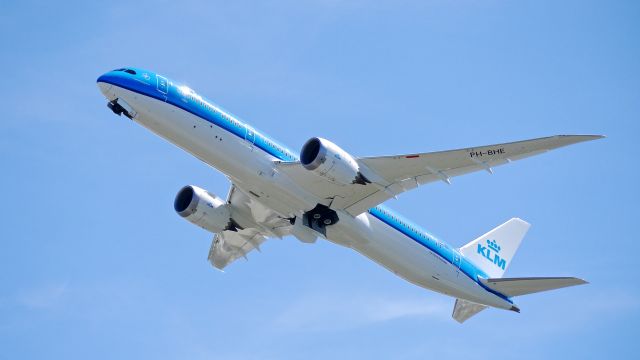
x,y
493,245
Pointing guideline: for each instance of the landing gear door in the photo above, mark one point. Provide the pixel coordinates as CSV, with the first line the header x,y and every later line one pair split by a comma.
x,y
456,262
250,136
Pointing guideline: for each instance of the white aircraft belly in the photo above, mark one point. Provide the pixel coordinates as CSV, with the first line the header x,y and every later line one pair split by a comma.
x,y
406,258
391,249
253,171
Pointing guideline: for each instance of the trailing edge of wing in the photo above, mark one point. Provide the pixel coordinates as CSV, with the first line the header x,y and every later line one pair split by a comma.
x,y
228,246
254,224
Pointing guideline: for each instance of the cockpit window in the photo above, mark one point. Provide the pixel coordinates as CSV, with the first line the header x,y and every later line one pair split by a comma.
x,y
128,71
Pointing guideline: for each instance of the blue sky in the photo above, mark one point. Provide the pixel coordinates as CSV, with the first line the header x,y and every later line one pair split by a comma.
x,y
95,263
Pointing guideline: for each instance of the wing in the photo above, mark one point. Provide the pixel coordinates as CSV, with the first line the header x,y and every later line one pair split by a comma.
x,y
252,223
228,246
392,175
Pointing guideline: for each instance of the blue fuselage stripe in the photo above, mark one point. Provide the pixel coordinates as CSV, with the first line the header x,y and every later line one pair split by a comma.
x,y
429,242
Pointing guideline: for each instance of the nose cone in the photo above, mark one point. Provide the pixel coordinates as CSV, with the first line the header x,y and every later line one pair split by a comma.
x,y
108,77
127,78
106,81
104,87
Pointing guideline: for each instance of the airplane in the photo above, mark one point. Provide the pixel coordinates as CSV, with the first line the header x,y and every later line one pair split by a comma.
x,y
327,193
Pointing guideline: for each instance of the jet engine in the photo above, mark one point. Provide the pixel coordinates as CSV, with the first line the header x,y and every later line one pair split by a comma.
x,y
200,207
331,162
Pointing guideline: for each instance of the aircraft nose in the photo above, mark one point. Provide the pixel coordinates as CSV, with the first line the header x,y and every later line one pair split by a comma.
x,y
104,87
111,83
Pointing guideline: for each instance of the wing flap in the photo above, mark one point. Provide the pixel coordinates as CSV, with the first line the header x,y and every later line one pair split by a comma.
x,y
254,223
229,246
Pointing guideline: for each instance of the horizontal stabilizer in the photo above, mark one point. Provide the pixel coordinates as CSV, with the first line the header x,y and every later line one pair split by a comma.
x,y
523,286
464,309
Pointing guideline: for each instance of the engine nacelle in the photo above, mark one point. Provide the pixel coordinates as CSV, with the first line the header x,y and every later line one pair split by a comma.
x,y
200,207
331,162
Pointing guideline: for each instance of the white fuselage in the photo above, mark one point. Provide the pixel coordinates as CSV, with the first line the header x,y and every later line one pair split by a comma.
x,y
253,170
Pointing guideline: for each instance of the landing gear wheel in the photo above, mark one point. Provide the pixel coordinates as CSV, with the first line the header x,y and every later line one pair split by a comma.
x,y
118,109
115,107
319,218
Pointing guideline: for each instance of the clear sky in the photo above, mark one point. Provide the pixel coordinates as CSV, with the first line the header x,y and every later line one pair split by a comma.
x,y
95,264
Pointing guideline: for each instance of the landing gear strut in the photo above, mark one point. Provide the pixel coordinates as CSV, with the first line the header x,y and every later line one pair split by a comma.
x,y
319,218
118,109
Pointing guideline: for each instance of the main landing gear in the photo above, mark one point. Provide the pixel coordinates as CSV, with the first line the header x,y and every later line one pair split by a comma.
x,y
319,218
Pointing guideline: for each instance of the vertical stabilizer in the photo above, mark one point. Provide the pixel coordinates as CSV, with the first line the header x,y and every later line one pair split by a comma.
x,y
493,251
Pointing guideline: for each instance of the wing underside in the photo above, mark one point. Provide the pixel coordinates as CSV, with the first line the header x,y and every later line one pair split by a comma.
x,y
253,225
228,246
393,175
